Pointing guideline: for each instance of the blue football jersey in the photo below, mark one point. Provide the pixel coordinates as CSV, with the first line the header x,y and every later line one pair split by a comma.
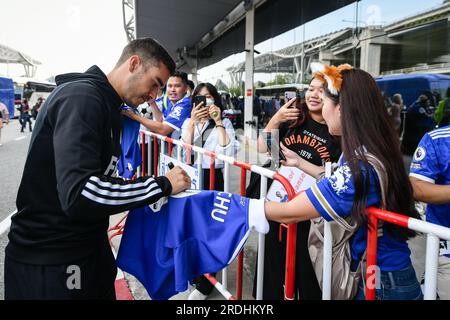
x,y
130,157
431,163
334,195
175,114
167,244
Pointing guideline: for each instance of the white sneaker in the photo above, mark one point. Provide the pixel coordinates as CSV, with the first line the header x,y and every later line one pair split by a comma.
x,y
197,295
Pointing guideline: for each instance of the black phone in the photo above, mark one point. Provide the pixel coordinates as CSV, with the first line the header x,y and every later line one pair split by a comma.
x,y
197,99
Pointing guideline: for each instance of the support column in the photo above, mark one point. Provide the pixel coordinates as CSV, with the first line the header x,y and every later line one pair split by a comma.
x,y
249,55
194,75
298,69
370,58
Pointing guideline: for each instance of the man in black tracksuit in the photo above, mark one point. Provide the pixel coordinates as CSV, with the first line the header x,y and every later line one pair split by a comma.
x,y
58,246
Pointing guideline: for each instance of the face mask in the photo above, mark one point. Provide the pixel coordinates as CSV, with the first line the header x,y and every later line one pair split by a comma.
x,y
209,102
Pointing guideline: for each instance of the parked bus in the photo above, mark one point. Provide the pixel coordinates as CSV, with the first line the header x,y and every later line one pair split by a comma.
x,y
411,86
31,89
267,93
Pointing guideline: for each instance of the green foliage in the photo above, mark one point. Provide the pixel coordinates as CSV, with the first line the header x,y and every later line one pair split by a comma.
x,y
235,91
281,79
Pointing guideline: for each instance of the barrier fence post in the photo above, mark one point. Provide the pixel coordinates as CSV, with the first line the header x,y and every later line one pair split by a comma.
x,y
291,246
170,148
372,243
431,267
179,150
240,266
212,174
149,153
143,153
327,250
327,261
155,156
200,170
261,248
226,188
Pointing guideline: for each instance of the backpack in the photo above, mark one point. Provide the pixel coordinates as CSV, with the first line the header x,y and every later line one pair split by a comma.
x,y
344,282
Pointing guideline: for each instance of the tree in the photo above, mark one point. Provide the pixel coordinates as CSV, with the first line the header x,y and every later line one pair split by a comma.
x,y
281,79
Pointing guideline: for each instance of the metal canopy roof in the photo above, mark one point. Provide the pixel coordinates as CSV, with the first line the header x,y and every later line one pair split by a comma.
x,y
8,55
190,29
282,60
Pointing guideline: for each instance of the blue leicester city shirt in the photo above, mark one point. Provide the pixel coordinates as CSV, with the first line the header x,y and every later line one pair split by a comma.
x,y
334,195
175,114
169,243
130,157
431,163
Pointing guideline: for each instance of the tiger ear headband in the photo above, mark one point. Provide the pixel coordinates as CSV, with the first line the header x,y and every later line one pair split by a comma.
x,y
330,75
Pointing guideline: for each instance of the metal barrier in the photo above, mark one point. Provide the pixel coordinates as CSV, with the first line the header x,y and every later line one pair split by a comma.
x,y
434,233
151,158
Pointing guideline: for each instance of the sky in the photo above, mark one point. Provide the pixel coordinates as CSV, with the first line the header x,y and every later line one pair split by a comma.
x,y
72,35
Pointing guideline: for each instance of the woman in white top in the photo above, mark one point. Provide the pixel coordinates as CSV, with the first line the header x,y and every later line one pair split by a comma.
x,y
206,128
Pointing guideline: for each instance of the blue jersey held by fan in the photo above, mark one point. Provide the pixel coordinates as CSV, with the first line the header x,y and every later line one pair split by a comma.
x,y
130,158
166,245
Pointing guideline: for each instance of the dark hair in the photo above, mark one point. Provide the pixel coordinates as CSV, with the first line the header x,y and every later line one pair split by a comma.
x,y
212,90
301,105
151,52
367,126
182,75
191,84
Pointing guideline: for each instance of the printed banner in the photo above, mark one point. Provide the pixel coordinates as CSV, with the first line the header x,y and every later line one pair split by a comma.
x,y
193,173
298,179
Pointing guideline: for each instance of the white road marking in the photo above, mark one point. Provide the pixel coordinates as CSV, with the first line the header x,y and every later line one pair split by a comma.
x,y
19,138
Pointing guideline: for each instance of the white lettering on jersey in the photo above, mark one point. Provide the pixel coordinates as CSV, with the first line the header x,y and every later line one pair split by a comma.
x,y
221,206
112,166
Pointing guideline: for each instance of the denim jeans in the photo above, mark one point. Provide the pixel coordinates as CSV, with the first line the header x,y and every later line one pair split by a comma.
x,y
395,285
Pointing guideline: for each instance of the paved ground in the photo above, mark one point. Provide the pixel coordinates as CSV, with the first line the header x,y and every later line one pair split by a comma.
x,y
12,157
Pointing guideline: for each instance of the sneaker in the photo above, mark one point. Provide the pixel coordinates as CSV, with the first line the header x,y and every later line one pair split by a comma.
x,y
197,295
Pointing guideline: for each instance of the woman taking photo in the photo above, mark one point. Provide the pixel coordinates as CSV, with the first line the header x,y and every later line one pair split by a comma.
x,y
206,128
302,129
353,109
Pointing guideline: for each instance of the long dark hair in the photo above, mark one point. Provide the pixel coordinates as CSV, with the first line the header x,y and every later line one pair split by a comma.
x,y
301,105
365,124
212,90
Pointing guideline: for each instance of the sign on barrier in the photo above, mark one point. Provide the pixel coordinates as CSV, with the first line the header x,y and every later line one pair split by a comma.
x,y
192,172
299,180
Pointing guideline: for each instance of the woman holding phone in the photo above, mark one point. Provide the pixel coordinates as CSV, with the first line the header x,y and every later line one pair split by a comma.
x,y
354,110
302,130
206,128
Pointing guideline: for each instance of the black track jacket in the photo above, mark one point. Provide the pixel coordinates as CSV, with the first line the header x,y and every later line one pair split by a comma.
x,y
67,192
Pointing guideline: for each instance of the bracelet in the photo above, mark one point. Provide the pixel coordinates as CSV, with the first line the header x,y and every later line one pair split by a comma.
x,y
219,125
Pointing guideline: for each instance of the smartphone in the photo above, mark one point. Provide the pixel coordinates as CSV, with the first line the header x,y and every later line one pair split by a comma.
x,y
197,99
289,95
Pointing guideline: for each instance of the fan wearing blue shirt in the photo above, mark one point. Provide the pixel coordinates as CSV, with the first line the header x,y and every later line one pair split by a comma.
x,y
353,110
176,107
430,178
